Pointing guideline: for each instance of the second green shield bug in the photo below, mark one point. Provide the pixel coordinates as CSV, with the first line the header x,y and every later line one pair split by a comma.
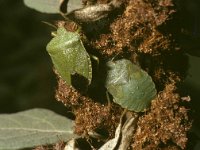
x,y
130,86
69,55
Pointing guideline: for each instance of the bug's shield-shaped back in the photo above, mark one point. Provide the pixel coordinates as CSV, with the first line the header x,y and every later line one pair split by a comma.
x,y
69,55
130,86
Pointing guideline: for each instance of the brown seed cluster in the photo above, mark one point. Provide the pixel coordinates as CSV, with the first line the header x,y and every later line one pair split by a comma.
x,y
166,123
67,94
141,34
137,30
90,115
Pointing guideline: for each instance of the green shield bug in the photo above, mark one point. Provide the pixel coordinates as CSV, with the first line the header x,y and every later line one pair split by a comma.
x,y
130,86
69,55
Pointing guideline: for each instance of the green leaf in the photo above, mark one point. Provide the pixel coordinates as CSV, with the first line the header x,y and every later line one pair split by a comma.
x,y
130,86
44,6
69,55
73,5
53,6
32,128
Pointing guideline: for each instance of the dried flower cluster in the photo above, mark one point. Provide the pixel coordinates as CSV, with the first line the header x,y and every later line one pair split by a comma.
x,y
136,30
90,115
166,124
141,34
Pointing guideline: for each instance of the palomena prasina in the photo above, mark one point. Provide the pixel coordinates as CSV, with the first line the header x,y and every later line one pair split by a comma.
x,y
69,55
130,86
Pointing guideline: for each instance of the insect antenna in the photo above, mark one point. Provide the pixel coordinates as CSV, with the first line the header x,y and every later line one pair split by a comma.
x,y
49,24
114,57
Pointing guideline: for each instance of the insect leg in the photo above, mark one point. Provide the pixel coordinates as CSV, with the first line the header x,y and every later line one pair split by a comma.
x,y
108,99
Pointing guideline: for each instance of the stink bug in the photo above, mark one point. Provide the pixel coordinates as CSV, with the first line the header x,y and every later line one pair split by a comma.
x,y
69,55
130,86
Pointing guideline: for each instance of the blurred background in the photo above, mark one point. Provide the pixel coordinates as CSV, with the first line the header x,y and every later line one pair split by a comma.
x,y
26,77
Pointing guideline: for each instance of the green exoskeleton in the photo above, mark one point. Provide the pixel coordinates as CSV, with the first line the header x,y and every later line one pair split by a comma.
x,y
130,86
69,55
